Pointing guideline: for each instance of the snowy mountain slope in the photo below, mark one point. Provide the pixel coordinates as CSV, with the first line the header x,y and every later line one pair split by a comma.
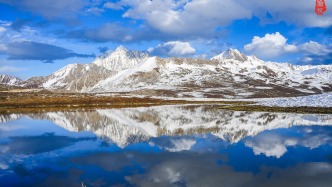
x,y
4,118
10,80
319,100
120,59
76,77
232,54
228,75
311,79
130,125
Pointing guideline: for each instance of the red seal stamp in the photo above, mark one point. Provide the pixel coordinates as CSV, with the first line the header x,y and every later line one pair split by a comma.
x,y
320,7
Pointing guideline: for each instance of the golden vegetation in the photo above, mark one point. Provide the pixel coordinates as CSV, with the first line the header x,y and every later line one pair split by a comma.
x,y
38,102
27,102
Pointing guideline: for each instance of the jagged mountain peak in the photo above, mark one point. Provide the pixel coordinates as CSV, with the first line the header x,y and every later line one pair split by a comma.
x,y
231,53
10,80
120,59
121,48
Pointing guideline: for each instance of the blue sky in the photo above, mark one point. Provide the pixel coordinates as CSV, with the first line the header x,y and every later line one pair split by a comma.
x,y
38,37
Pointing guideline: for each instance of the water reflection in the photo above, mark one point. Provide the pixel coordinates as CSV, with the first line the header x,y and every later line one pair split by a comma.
x,y
126,126
165,146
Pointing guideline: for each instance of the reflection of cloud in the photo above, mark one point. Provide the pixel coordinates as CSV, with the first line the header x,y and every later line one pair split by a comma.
x,y
270,145
275,144
194,170
4,148
3,166
38,144
133,168
308,174
188,170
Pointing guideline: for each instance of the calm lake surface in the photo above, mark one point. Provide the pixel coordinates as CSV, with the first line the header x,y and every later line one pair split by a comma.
x,y
165,146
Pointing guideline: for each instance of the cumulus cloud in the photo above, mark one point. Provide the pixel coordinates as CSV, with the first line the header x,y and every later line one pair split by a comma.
x,y
173,48
28,50
204,18
186,17
271,45
313,47
275,44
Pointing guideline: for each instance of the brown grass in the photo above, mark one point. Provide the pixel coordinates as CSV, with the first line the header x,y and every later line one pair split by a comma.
x,y
41,102
30,102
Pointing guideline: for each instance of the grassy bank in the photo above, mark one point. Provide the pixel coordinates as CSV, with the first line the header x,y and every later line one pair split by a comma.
x,y
30,102
43,102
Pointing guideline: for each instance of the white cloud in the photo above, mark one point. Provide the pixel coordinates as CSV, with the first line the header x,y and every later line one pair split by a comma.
x,y
95,10
186,17
2,29
202,18
113,6
271,45
10,69
275,44
313,47
173,48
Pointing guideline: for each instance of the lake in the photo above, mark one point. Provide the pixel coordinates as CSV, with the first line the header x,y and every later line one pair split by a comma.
x,y
185,145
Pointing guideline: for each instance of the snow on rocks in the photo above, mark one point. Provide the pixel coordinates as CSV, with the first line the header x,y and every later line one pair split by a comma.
x,y
319,100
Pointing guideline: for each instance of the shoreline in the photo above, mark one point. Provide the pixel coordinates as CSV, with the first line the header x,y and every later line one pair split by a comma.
x,y
33,102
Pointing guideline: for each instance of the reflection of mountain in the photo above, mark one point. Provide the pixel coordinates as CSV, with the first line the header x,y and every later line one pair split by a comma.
x,y
9,117
129,125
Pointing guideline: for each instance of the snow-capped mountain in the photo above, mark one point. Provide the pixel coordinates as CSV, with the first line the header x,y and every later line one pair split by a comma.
x,y
129,125
76,77
4,118
10,80
303,78
120,59
230,74
232,54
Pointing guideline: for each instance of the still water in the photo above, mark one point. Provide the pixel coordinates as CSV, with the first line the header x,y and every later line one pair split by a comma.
x,y
165,146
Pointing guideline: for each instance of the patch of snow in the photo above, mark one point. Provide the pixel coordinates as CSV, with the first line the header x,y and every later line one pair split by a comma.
x,y
310,71
319,100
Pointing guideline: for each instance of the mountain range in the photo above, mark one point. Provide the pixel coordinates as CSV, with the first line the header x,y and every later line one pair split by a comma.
x,y
230,74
